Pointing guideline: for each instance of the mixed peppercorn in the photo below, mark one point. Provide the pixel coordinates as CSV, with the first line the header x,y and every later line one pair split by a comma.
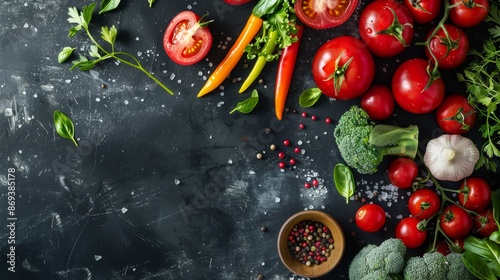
x,y
310,242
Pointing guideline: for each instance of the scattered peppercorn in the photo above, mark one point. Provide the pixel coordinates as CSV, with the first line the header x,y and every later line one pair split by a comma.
x,y
363,200
313,117
281,165
259,156
304,114
272,147
315,182
297,150
302,126
328,121
281,155
307,185
292,161
263,229
286,142
260,276
261,81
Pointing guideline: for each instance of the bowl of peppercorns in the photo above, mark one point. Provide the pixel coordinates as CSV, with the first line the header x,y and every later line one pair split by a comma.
x,y
311,243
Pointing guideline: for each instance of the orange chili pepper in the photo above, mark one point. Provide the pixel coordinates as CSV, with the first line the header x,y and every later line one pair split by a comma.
x,y
251,29
284,74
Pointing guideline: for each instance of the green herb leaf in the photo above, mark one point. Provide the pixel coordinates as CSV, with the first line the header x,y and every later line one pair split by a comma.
x,y
495,202
108,5
65,54
477,266
74,16
246,106
268,7
309,97
109,34
151,3
87,14
94,51
64,126
344,181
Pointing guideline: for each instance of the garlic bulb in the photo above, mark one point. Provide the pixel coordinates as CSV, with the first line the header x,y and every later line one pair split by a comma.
x,y
451,157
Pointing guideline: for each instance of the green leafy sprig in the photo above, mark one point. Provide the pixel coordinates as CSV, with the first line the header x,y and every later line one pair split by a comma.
x,y
98,52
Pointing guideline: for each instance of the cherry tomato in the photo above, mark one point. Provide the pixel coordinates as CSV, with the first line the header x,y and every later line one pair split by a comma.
x,y
402,172
409,87
469,13
320,14
424,203
455,115
450,52
443,248
386,26
484,223
407,230
370,217
343,68
236,2
423,11
455,222
187,40
475,194
378,102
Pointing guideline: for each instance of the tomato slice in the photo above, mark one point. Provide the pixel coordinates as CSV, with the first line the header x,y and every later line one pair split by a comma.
x,y
187,40
320,14
236,2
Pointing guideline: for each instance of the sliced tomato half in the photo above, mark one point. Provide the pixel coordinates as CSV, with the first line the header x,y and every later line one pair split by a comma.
x,y
187,40
320,14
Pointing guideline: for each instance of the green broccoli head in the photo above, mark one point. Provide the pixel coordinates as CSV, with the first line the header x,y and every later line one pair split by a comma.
x,y
436,266
363,144
379,262
457,268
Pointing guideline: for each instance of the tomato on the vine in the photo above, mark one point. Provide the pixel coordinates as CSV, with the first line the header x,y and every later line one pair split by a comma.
x,y
320,14
378,102
475,194
409,232
484,222
455,222
187,40
236,2
409,86
402,172
370,217
456,115
343,68
450,52
468,13
386,26
423,11
424,203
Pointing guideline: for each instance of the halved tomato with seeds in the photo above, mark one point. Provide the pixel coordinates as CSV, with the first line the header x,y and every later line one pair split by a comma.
x,y
320,14
187,39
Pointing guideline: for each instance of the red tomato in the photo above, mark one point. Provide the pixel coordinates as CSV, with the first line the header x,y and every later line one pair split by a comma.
x,y
386,26
407,230
443,248
378,102
187,40
469,13
236,2
370,217
449,52
320,14
423,11
475,194
424,203
343,68
484,223
455,222
455,115
408,86
402,172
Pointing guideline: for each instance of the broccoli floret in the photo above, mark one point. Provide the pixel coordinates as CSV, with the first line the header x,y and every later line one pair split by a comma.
x,y
378,262
457,268
363,144
437,267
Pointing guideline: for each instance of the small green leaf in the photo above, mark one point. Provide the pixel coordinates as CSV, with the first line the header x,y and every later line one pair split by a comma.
x,y
94,51
108,5
87,14
344,181
309,97
151,3
477,266
109,34
64,126
246,106
65,54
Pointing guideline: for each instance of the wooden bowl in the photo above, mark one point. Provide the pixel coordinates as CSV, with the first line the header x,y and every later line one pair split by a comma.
x,y
295,265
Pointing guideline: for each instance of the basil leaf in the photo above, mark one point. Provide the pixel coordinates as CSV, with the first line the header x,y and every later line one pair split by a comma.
x,y
344,181
477,266
495,236
266,7
309,97
65,54
108,5
247,106
64,126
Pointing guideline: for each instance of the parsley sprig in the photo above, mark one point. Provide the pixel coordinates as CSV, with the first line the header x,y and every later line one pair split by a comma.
x,y
482,80
98,52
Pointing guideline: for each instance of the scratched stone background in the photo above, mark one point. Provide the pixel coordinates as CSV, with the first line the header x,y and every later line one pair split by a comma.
x,y
161,186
